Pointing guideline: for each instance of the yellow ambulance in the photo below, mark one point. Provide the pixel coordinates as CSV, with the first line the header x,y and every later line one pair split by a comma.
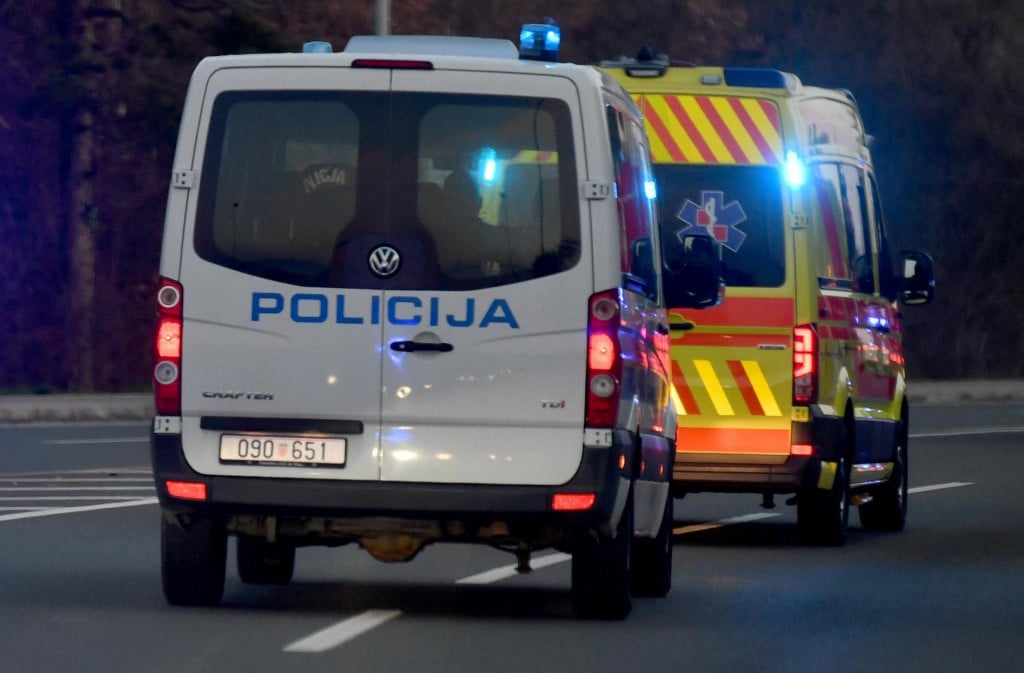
x,y
795,384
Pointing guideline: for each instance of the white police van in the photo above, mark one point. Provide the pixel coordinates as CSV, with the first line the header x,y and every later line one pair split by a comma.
x,y
411,294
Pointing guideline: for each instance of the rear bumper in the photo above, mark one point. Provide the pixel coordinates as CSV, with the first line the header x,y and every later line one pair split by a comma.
x,y
599,473
760,473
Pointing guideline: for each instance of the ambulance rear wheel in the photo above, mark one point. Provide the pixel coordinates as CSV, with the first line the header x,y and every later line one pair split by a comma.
x,y
193,553
822,515
601,571
887,510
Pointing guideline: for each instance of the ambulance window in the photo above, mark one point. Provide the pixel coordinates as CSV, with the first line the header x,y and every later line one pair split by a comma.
x,y
858,232
886,274
278,183
832,259
634,197
741,206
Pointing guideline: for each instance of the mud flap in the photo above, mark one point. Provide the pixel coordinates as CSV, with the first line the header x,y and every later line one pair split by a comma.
x,y
827,475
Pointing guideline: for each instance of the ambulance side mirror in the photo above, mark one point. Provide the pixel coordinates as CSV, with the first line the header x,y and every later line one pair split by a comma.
x,y
693,273
917,277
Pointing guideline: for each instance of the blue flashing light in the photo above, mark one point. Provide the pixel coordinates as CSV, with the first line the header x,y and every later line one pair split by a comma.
x,y
796,174
762,78
488,164
540,41
650,189
318,47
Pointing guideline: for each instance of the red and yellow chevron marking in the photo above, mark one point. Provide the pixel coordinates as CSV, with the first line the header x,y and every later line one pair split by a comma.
x,y
746,378
712,129
534,157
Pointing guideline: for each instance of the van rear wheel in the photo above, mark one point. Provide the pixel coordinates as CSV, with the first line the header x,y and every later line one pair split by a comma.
x,y
193,553
601,577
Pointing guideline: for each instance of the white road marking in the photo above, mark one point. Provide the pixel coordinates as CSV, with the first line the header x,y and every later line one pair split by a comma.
x,y
504,572
1002,430
111,440
73,480
696,528
939,487
47,489
71,510
337,634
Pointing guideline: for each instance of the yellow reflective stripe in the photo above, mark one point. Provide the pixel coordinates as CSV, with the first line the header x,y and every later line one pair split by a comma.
x,y
737,129
677,402
675,128
763,124
707,131
761,388
827,477
713,387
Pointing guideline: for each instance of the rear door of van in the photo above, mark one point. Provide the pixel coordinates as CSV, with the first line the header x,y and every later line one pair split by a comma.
x,y
500,398
343,279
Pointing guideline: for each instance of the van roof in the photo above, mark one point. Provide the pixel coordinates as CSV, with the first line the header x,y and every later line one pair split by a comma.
x,y
435,45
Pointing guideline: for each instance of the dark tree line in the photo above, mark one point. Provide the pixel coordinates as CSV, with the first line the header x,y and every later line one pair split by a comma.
x,y
91,91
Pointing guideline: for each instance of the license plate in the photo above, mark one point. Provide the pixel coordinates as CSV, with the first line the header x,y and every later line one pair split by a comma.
x,y
283,450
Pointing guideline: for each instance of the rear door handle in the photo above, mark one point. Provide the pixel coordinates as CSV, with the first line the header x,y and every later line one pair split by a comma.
x,y
414,346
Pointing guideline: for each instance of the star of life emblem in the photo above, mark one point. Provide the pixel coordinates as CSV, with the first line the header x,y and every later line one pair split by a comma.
x,y
714,217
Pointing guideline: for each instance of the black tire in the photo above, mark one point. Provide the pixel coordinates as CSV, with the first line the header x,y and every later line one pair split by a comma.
x,y
887,510
262,562
601,577
193,552
652,559
823,517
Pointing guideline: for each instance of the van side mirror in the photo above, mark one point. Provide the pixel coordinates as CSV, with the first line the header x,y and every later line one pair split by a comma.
x,y
917,284
693,277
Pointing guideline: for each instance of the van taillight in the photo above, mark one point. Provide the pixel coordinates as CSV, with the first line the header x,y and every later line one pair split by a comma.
x,y
604,364
805,364
167,350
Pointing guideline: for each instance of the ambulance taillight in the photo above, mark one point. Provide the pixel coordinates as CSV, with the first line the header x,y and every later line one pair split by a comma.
x,y
604,364
167,350
805,364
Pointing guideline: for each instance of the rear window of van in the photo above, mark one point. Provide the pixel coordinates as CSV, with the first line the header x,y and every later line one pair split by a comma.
x,y
741,206
293,182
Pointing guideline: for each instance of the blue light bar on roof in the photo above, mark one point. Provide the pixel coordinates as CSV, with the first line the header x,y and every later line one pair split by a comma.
x,y
317,47
761,78
540,41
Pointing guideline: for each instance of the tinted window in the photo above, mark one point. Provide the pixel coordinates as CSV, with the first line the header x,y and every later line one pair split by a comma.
x,y
473,191
858,230
741,206
634,198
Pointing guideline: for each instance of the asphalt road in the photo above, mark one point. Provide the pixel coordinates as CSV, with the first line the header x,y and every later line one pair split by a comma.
x,y
80,580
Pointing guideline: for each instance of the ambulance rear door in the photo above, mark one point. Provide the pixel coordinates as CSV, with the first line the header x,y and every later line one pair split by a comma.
x,y
718,165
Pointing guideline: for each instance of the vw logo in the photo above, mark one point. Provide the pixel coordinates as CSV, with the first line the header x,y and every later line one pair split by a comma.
x,y
384,261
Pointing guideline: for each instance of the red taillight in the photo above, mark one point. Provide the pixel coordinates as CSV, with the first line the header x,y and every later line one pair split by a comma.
x,y
604,364
572,502
167,350
805,364
186,490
